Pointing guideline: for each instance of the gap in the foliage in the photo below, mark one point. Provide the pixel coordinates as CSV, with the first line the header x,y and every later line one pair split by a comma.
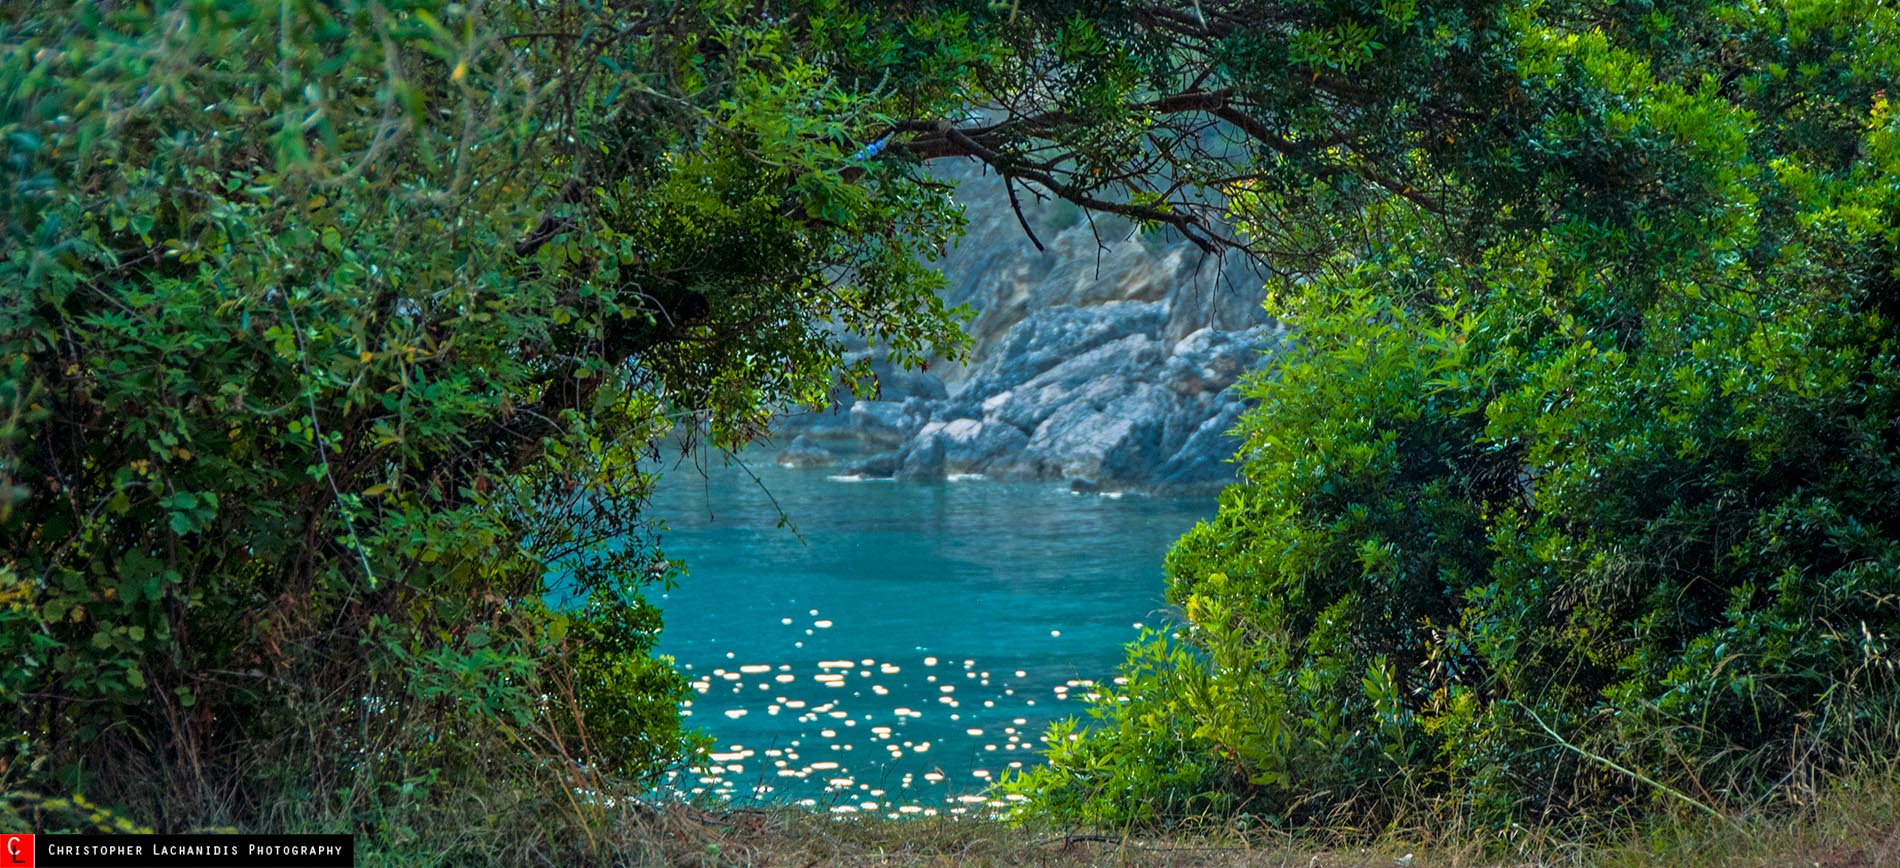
x,y
912,649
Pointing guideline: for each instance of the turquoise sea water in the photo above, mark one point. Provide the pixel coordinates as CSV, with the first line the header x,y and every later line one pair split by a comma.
x,y
912,641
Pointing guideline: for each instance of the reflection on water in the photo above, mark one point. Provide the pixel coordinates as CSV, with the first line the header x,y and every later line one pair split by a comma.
x,y
915,644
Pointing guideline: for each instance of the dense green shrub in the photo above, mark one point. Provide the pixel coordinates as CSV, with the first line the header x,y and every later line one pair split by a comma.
x,y
1578,491
329,332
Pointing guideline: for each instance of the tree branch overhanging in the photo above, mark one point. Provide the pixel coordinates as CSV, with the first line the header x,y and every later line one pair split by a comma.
x,y
1179,120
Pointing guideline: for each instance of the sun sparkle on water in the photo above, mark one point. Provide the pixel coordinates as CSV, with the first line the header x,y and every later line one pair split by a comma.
x,y
832,781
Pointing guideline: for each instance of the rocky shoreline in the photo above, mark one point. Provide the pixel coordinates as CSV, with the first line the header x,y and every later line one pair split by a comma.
x,y
1110,366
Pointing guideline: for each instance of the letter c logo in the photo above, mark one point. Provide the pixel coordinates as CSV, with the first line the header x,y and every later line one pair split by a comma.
x,y
19,852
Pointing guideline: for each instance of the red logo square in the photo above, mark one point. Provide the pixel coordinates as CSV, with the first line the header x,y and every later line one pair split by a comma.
x,y
16,851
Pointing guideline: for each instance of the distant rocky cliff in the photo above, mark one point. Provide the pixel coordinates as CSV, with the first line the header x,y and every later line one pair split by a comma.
x,y
1109,366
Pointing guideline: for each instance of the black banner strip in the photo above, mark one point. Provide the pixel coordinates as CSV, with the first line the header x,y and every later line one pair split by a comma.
x,y
194,851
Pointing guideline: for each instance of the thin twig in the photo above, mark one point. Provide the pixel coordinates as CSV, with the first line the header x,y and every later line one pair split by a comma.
x,y
1613,765
323,455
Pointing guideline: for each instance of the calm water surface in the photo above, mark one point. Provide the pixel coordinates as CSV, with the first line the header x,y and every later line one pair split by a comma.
x,y
910,643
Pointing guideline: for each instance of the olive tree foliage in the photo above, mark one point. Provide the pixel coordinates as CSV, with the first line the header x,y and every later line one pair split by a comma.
x,y
330,332
1577,489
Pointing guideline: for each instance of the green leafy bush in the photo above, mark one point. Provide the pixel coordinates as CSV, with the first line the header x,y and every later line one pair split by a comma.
x,y
331,332
1577,493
